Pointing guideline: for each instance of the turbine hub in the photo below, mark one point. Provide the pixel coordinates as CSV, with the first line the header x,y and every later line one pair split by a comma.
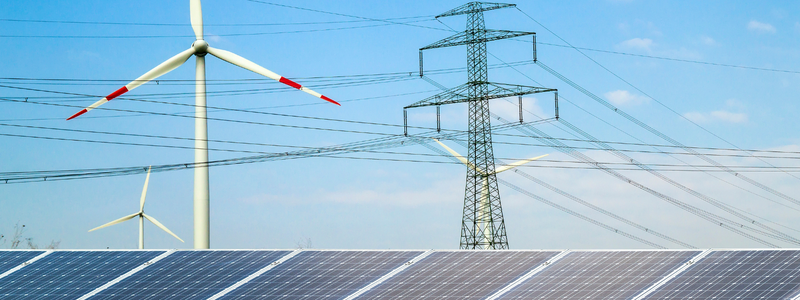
x,y
200,47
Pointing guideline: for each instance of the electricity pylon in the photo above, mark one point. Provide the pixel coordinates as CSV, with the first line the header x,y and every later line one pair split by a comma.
x,y
482,224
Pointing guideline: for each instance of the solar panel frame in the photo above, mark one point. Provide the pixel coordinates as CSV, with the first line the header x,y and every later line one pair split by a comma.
x,y
334,278
85,269
437,276
722,275
601,274
197,273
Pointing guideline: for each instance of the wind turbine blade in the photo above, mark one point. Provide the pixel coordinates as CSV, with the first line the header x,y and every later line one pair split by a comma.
x,y
197,18
516,164
117,221
159,70
151,219
245,63
144,190
460,158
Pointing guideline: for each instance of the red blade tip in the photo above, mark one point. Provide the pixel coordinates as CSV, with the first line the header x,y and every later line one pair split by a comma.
x,y
329,100
78,114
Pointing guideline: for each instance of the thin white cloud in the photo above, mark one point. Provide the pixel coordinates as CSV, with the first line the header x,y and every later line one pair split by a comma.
x,y
708,41
729,117
696,117
638,44
722,115
717,116
756,26
623,97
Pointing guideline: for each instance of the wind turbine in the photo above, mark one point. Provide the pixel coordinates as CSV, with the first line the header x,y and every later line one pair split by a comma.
x,y
141,216
485,210
199,49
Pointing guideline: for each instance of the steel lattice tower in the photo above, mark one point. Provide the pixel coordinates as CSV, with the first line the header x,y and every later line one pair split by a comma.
x,y
482,225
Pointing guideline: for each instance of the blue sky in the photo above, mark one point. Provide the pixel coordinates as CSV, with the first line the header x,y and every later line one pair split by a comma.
x,y
357,203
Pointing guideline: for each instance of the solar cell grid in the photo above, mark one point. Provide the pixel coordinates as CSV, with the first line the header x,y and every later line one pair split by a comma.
x,y
459,275
70,274
191,274
322,275
12,259
600,275
746,274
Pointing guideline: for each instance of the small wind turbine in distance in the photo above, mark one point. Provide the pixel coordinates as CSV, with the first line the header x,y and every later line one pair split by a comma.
x,y
484,208
142,216
199,49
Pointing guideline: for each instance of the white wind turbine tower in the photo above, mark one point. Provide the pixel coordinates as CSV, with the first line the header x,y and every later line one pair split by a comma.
x,y
484,208
199,49
141,216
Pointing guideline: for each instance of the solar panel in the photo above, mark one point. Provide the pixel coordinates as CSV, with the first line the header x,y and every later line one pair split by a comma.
x,y
745,274
600,275
70,274
12,259
191,274
459,274
322,275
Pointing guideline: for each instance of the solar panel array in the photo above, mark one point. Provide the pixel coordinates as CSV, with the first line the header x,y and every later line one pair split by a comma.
x,y
191,274
375,274
600,275
459,275
745,274
322,275
70,274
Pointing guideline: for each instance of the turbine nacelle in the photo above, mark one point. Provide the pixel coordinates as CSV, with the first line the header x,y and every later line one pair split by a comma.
x,y
200,47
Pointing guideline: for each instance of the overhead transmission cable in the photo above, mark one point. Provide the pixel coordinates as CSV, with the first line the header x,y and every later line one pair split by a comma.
x,y
745,168
643,167
550,203
207,25
724,206
708,216
580,156
587,204
647,127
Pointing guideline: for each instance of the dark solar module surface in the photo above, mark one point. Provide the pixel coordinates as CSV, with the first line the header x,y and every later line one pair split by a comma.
x,y
600,275
322,275
191,274
70,274
12,259
750,274
459,275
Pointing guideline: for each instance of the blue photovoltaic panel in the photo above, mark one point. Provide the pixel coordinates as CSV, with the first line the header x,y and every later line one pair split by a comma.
x,y
12,259
191,274
600,275
70,274
745,274
322,275
459,275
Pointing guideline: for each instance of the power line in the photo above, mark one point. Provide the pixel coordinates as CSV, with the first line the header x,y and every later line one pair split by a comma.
x,y
671,59
189,25
559,207
576,199
189,36
358,131
673,167
647,127
428,128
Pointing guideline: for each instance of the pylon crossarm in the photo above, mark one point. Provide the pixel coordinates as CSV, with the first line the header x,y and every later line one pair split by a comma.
x,y
485,35
474,7
460,94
